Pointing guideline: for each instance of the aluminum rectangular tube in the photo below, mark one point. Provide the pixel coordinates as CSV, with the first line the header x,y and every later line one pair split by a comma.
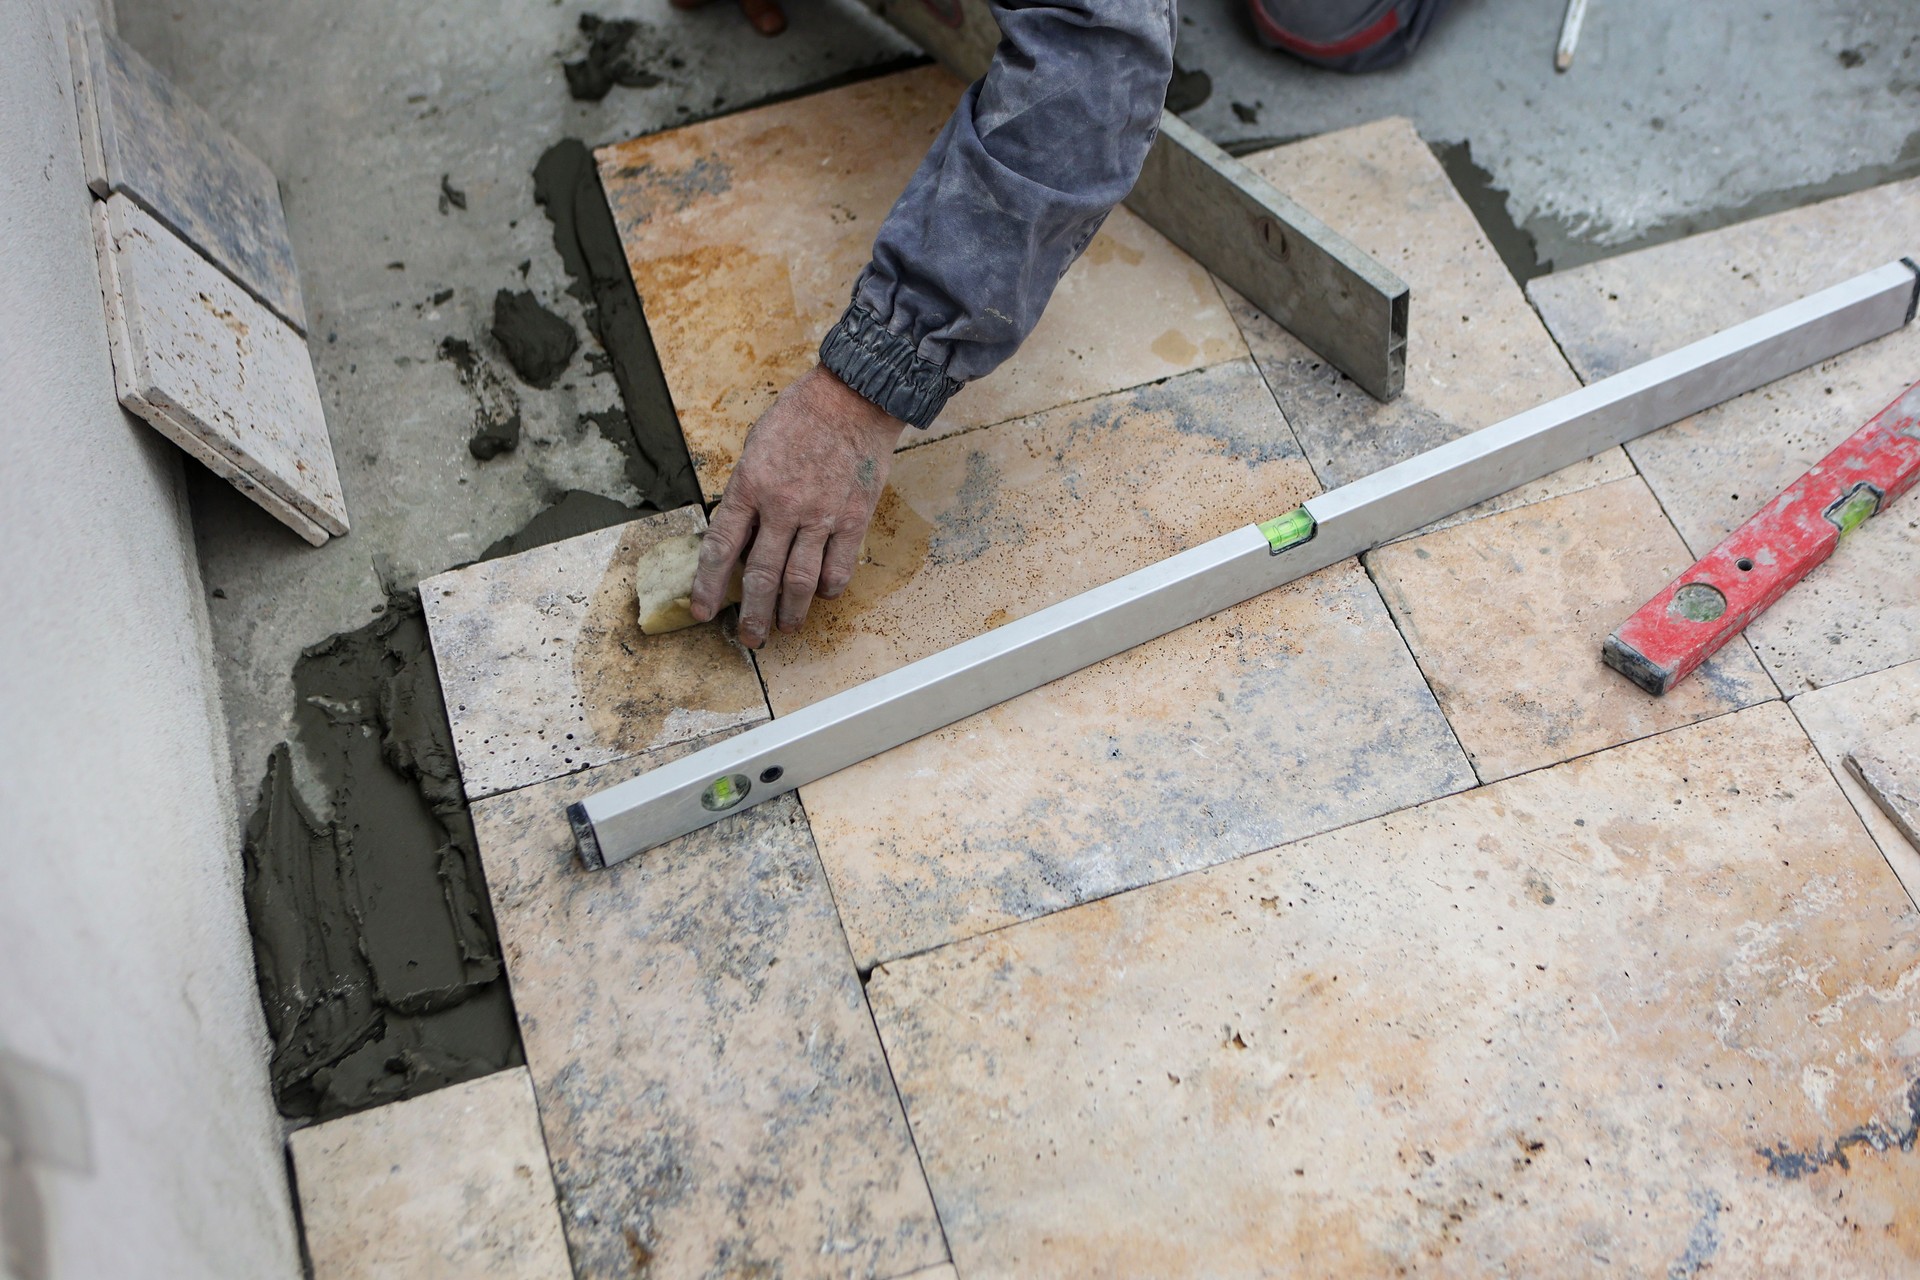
x,y
863,721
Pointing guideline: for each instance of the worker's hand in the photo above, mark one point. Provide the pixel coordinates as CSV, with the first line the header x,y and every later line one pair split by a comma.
x,y
765,15
798,504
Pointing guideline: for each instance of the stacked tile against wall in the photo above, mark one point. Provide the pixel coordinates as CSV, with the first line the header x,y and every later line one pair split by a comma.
x,y
1649,1005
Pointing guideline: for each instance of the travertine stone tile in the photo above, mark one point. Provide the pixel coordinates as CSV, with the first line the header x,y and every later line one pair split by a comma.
x,y
214,371
1292,713
1624,1016
714,1097
546,671
1507,614
745,233
1476,352
1859,612
450,1184
1875,712
143,139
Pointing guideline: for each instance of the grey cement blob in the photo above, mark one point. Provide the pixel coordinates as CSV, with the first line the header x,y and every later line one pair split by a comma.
x,y
538,343
1188,89
496,409
610,59
567,186
378,960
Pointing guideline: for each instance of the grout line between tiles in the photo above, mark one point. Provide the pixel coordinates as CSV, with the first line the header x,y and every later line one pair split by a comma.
x,y
1366,567
1858,817
1139,888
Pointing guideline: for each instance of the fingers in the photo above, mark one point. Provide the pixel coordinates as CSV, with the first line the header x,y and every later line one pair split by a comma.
x,y
801,577
765,15
843,557
726,537
760,584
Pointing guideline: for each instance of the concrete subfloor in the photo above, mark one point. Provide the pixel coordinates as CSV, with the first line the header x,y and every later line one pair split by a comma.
x,y
1674,117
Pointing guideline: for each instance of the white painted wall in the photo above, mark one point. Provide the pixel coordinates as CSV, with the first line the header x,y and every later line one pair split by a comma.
x,y
124,958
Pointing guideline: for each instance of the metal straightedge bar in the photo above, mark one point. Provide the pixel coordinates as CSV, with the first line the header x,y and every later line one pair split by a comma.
x,y
1313,281
863,721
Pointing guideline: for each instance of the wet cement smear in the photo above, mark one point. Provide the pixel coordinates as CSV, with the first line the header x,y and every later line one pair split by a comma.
x,y
538,343
567,186
496,409
1488,204
612,58
378,961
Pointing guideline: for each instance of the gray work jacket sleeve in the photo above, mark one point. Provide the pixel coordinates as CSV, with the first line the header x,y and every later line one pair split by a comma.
x,y
1032,161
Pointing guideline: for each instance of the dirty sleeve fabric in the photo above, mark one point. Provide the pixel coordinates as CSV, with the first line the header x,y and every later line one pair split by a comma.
x,y
1027,168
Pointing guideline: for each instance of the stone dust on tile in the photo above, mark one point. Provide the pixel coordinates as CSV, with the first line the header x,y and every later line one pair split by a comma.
x,y
1878,712
1507,614
744,235
1652,1012
1294,712
1476,352
452,1184
714,1098
546,671
1859,612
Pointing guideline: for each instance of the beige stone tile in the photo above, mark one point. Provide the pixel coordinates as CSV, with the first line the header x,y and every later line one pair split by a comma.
x,y
1878,712
1476,352
1618,1017
1292,713
714,1098
545,669
450,1184
745,233
1859,612
1507,614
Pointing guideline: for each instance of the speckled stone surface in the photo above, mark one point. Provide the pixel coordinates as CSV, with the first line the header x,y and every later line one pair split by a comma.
x,y
1476,352
1859,612
714,1098
145,140
1507,614
210,367
1297,711
1624,1017
1878,712
546,671
450,1184
745,233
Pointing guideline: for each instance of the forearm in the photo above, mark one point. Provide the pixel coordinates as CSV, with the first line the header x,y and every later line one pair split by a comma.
x,y
1030,164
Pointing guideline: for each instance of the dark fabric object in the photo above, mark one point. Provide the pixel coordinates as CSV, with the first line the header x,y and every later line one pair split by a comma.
x,y
884,367
1032,161
1346,35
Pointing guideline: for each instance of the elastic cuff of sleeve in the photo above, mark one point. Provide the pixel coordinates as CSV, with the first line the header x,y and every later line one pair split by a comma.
x,y
883,367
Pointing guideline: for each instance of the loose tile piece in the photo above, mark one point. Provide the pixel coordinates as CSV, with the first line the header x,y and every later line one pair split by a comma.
x,y
546,671
1292,713
1859,612
1654,1012
1879,712
450,1184
714,1097
216,372
1507,614
143,139
1476,352
744,235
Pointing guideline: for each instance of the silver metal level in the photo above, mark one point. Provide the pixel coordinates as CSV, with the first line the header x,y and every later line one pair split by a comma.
x,y
863,721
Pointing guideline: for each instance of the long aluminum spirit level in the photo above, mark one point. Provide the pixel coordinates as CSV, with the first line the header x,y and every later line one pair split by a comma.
x,y
863,721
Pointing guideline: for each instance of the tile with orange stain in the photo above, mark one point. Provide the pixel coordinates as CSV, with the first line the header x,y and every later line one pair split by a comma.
x,y
545,669
1476,352
1859,612
744,235
1652,1012
1507,613
1292,713
713,1094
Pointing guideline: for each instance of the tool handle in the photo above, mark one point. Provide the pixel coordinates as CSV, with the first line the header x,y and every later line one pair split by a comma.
x,y
1699,611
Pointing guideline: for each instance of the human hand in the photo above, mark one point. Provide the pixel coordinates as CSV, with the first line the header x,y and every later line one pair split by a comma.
x,y
798,504
765,15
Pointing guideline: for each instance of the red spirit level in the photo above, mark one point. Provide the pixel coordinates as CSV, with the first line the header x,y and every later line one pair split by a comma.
x,y
1738,580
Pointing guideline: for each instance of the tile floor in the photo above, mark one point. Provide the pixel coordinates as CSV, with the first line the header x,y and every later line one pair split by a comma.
x,y
1645,1002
